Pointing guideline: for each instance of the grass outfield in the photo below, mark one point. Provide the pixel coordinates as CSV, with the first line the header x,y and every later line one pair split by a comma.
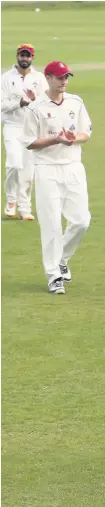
x,y
80,32
53,348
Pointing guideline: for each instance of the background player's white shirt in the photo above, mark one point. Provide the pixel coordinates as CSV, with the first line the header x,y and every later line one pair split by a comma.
x,y
44,118
13,88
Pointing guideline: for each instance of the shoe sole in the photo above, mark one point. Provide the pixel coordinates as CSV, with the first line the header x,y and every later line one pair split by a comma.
x,y
57,291
10,216
27,219
66,280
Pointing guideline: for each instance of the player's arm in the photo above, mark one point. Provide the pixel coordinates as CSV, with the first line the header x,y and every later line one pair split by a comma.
x,y
10,103
32,139
7,103
84,126
81,138
42,86
31,128
39,144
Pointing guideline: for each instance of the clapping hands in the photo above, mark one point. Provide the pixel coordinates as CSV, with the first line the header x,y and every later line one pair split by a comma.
x,y
66,137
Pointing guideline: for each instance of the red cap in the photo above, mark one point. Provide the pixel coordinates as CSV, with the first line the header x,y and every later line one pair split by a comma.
x,y
58,69
25,47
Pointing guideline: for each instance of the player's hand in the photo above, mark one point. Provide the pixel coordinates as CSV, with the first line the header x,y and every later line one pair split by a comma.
x,y
69,135
23,102
30,94
64,138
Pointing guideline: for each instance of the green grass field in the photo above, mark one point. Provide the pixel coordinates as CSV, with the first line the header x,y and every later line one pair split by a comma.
x,y
53,348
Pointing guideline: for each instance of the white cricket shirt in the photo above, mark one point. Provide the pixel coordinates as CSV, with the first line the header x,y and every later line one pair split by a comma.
x,y
45,118
13,89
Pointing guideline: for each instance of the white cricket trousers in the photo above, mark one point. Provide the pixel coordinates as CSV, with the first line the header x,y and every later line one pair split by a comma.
x,y
61,191
19,168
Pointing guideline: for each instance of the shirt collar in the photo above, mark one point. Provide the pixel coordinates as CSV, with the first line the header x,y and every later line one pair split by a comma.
x,y
50,100
14,67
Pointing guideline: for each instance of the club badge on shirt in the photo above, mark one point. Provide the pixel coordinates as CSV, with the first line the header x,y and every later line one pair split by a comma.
x,y
72,114
72,127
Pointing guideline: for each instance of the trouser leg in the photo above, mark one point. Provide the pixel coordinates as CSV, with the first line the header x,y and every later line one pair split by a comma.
x,y
11,185
48,206
28,175
14,166
14,184
76,212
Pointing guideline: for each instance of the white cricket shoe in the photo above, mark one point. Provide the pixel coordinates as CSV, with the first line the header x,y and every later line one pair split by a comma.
x,y
10,210
26,216
56,287
65,272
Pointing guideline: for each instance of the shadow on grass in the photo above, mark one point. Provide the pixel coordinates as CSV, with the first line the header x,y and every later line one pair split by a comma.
x,y
78,293
10,219
9,289
15,219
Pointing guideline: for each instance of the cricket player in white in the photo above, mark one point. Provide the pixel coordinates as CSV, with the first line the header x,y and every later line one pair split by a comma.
x,y
20,85
55,126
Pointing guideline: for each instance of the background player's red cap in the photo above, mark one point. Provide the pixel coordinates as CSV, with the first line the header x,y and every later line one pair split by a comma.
x,y
58,69
25,47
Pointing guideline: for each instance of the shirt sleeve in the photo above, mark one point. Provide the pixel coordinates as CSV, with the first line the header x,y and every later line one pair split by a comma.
x,y
31,127
8,103
84,123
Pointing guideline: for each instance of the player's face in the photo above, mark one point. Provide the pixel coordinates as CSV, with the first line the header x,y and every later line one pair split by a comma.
x,y
58,84
24,59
